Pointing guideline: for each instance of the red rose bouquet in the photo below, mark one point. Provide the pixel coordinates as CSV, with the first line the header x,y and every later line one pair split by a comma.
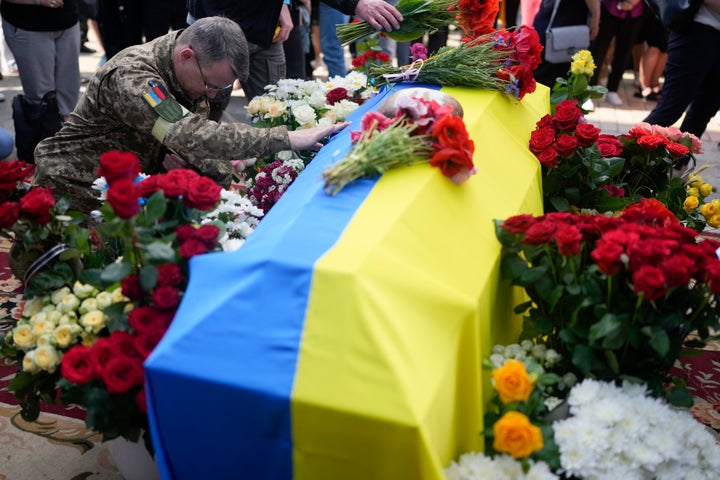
x,y
617,296
90,337
422,131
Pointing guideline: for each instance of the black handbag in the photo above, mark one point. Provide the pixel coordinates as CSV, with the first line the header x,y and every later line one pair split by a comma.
x,y
34,122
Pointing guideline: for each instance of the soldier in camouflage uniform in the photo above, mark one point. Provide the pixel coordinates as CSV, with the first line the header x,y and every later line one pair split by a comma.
x,y
152,100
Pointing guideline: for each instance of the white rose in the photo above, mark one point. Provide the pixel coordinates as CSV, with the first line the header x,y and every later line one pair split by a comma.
x,y
29,364
37,318
88,305
58,294
277,109
47,358
33,306
64,335
104,300
265,102
343,109
93,321
23,337
43,328
304,114
69,303
44,340
69,318
317,99
117,296
253,108
83,290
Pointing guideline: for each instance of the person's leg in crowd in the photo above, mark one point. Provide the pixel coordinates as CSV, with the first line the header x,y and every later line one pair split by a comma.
x,y
267,66
120,24
294,46
67,69
692,76
333,51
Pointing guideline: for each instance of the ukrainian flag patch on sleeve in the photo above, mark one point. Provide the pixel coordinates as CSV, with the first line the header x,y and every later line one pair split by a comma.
x,y
168,109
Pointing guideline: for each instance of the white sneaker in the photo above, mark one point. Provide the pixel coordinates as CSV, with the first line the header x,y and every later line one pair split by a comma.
x,y
614,99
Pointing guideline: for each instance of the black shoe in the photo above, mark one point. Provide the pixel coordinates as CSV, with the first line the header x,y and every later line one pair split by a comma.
x,y
85,49
638,92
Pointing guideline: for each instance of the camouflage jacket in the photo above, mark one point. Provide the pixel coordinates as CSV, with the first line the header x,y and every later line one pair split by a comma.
x,y
114,114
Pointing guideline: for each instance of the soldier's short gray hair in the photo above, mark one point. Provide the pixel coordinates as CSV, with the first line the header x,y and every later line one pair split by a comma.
x,y
216,39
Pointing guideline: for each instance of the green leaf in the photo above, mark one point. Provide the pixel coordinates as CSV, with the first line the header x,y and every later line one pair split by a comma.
x,y
560,204
608,324
531,275
159,252
148,278
512,266
583,358
115,272
659,340
155,207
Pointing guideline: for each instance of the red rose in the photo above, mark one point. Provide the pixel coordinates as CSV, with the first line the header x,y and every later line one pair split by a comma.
x,y
208,234
336,94
358,62
124,198
609,145
567,115
566,145
123,373
116,165
192,247
184,232
144,318
539,233
541,139
568,239
712,276
175,183
202,194
652,142
613,190
166,297
545,121
518,223
549,157
103,350
36,205
130,287
150,185
649,281
586,134
170,274
77,365
146,342
124,343
9,214
452,148
141,400
678,270
607,257
677,150
12,172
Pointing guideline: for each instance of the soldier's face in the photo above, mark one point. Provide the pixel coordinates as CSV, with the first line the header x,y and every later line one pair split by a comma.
x,y
207,80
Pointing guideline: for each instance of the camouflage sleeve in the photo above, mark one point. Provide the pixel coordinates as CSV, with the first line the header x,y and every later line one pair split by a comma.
x,y
202,142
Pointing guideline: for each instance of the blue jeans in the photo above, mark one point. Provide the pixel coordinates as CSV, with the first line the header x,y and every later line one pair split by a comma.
x,y
6,143
333,52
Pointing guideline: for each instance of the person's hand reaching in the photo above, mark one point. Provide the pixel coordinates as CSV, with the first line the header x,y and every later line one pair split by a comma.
x,y
379,14
310,138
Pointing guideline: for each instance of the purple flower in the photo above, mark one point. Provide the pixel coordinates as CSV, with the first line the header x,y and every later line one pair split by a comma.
x,y
418,51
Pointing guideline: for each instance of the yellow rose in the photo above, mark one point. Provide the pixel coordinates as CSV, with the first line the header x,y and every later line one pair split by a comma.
x,y
714,221
706,189
23,337
692,191
93,321
43,340
708,210
691,203
29,364
47,358
253,107
68,319
695,180
33,306
512,382
514,434
38,318
277,109
117,296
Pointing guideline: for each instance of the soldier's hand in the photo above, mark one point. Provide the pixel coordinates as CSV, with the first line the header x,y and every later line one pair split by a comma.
x,y
285,24
310,138
173,161
379,14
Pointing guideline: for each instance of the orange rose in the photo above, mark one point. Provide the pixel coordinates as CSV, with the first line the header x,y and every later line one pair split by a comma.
x,y
512,382
515,435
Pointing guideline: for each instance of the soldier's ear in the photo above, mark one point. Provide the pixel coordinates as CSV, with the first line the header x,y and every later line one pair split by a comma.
x,y
187,53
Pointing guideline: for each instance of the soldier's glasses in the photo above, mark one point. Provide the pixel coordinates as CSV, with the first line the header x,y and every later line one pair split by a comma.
x,y
209,87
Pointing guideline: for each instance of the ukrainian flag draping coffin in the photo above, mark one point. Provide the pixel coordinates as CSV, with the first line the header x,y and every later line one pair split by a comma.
x,y
343,341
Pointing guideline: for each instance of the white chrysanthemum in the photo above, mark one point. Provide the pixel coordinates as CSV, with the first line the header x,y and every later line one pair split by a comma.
x,y
317,99
343,109
477,466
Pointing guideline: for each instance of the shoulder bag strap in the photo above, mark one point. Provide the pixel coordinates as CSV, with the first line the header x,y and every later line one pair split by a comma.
x,y
552,16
